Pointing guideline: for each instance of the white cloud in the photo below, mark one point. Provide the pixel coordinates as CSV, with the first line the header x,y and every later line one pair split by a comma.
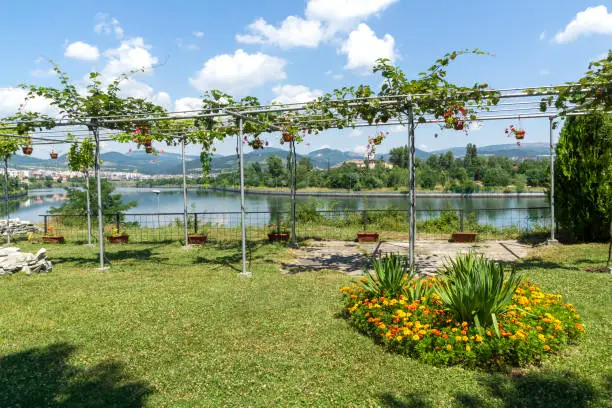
x,y
108,25
363,48
295,94
342,13
184,45
82,51
198,34
187,104
542,35
475,126
331,73
323,147
423,146
42,73
162,99
360,149
11,99
132,88
293,32
355,133
132,54
398,129
593,20
239,72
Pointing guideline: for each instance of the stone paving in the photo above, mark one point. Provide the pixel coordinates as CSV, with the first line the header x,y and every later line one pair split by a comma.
x,y
351,257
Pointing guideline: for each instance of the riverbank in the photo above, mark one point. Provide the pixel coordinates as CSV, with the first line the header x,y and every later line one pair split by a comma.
x,y
379,194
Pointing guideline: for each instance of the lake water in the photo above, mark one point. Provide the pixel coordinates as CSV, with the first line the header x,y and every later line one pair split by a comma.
x,y
170,200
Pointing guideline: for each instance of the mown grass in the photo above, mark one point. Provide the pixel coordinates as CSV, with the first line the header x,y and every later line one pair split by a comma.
x,y
173,327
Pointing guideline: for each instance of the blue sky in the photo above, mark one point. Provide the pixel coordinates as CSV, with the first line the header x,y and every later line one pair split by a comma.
x,y
294,50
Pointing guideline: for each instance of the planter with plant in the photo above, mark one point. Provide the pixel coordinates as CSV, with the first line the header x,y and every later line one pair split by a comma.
x,y
278,232
49,238
517,132
27,147
117,238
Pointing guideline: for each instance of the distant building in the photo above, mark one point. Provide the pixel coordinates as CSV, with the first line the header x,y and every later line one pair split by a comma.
x,y
360,163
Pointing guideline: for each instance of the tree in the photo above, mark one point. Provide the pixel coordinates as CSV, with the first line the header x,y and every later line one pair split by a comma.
x,y
81,158
471,158
8,147
275,168
583,177
398,156
76,201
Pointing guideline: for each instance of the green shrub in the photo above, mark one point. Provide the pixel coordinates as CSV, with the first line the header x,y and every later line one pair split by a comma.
x,y
391,272
475,288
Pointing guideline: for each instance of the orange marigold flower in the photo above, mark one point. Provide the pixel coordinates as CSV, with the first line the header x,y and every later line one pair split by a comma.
x,y
579,326
546,347
445,336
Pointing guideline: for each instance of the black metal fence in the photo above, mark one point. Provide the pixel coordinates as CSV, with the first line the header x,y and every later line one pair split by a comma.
x,y
310,224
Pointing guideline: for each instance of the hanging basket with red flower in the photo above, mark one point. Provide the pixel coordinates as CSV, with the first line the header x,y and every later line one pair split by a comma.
x,y
289,131
456,118
517,132
27,147
256,143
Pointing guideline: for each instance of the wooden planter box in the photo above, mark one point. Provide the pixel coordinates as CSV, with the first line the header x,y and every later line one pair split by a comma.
x,y
367,236
51,239
118,239
278,237
197,239
463,237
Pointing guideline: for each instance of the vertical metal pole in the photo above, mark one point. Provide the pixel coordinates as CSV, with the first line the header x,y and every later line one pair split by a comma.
x,y
94,129
6,198
45,225
244,272
118,222
87,192
185,217
461,220
195,223
552,181
292,168
412,192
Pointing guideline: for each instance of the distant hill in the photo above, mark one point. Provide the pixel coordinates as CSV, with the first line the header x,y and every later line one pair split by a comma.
x,y
170,163
506,150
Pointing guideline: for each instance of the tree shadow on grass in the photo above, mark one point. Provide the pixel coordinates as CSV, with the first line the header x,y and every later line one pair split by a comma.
x,y
534,390
42,377
412,400
230,260
146,254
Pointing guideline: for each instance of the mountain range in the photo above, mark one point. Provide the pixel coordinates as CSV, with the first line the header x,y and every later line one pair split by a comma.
x,y
170,163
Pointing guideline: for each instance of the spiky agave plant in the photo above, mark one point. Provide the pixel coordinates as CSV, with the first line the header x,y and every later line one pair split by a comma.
x,y
391,272
476,289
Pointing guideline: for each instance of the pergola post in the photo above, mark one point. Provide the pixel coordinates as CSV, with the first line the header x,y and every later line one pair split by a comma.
x,y
185,215
244,272
6,198
87,192
552,181
292,169
96,133
411,187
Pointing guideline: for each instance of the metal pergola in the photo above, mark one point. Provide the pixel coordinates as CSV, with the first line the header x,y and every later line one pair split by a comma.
x,y
515,104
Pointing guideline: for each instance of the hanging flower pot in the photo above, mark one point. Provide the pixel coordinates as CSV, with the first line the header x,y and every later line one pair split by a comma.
x,y
149,149
27,150
519,134
148,143
257,144
458,125
287,137
53,155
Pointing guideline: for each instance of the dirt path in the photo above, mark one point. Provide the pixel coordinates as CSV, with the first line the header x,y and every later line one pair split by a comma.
x,y
351,257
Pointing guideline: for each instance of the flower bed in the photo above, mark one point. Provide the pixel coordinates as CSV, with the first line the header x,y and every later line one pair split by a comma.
x,y
535,325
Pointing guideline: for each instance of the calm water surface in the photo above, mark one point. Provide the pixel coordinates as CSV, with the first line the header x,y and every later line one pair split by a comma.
x,y
170,200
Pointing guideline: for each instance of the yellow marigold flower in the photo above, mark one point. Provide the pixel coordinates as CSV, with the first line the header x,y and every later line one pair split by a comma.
x,y
454,329
407,332
399,338
489,333
464,338
415,337
458,338
539,328
577,316
382,326
478,339
546,347
522,300
468,348
449,347
464,324
542,338
422,332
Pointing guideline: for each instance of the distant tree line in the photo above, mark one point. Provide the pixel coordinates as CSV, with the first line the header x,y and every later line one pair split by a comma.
x,y
468,174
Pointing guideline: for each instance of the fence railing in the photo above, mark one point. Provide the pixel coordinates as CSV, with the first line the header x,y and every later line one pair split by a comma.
x,y
310,224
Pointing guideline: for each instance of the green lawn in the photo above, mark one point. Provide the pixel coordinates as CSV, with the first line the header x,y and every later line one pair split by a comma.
x,y
174,327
